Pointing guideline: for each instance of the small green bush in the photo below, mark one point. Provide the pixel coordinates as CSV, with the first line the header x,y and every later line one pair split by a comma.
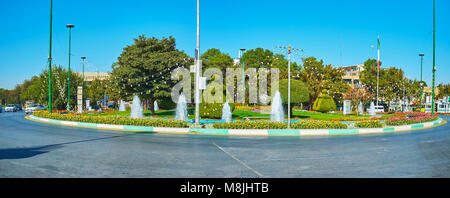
x,y
324,103
213,110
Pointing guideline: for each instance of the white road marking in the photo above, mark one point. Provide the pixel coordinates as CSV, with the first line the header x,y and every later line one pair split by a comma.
x,y
241,162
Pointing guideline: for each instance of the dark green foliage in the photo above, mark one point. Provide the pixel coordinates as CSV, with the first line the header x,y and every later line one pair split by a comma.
x,y
324,102
166,104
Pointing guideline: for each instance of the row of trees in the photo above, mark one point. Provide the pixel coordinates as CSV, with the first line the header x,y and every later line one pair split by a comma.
x,y
144,67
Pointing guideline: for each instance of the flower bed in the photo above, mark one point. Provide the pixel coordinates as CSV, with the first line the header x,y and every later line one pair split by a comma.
x,y
315,124
251,125
319,124
417,118
369,124
112,120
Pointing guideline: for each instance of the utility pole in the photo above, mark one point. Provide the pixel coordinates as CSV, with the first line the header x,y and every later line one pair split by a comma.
x,y
50,63
243,78
421,82
70,26
82,59
434,54
197,69
289,51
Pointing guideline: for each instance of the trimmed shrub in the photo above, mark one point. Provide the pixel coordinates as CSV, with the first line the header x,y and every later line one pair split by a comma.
x,y
213,110
324,103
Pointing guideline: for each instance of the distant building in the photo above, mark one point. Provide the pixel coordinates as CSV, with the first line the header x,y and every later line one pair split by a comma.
x,y
90,76
429,91
352,75
236,61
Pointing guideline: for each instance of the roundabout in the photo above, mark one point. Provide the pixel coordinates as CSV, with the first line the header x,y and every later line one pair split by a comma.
x,y
35,149
246,132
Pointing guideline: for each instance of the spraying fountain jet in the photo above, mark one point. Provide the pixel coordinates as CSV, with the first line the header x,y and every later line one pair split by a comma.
x,y
277,108
136,108
181,112
122,106
226,112
155,106
372,109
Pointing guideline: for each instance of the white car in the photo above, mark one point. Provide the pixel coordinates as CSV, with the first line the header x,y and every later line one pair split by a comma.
x,y
10,108
379,109
34,107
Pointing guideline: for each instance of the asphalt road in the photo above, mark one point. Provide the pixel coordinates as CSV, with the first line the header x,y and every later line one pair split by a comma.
x,y
33,149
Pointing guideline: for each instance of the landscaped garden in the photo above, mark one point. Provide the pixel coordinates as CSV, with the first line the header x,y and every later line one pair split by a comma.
x,y
249,118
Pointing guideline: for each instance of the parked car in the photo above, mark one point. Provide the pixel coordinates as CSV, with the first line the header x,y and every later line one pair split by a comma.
x,y
1,108
34,107
19,107
379,109
10,108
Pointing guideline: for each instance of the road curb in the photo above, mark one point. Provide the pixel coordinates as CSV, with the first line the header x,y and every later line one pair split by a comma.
x,y
246,132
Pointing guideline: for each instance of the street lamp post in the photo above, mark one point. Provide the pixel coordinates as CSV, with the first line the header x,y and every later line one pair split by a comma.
x,y
50,63
421,82
434,55
70,26
243,78
82,94
197,69
289,51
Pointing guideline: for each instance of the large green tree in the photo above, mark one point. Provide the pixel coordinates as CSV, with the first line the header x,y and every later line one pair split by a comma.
x,y
299,93
319,76
144,68
444,89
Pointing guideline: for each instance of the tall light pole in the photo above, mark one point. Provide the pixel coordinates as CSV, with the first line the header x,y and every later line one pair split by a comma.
x,y
50,63
70,26
82,94
197,68
289,51
243,78
434,54
421,82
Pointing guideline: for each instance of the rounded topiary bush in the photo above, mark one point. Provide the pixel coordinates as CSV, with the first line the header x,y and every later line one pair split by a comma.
x,y
324,102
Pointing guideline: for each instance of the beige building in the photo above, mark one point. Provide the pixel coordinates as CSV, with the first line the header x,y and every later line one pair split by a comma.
x,y
352,74
90,76
429,91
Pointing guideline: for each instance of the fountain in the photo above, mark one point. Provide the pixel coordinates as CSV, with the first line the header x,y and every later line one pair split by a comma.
x,y
181,112
122,106
372,109
155,105
360,108
226,112
136,108
277,108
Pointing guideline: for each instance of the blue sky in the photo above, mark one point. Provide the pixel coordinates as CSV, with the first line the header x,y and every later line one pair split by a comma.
x,y
339,32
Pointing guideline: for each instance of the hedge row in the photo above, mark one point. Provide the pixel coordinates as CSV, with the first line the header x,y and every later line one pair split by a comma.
x,y
112,120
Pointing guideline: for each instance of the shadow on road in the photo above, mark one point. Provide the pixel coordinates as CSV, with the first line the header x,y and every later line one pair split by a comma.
x,y
20,153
